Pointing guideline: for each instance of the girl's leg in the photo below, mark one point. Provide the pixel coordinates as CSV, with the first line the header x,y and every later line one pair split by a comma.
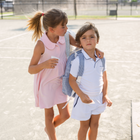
x,y
50,129
94,123
63,114
84,126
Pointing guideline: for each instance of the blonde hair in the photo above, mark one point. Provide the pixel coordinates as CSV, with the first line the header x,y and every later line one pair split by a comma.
x,y
84,28
51,18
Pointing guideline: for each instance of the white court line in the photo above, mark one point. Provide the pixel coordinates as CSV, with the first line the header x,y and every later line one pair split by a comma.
x,y
33,48
116,61
121,51
121,61
133,51
138,19
15,58
16,48
13,37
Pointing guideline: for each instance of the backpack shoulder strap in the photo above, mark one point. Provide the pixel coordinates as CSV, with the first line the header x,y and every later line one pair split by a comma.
x,y
67,44
81,66
103,63
66,88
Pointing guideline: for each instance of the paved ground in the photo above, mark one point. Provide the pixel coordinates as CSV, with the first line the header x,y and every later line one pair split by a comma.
x,y
20,120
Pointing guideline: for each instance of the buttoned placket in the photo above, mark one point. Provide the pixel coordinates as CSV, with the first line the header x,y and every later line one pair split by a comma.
x,y
94,62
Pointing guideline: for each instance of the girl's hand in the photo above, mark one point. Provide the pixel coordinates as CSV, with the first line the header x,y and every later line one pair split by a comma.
x,y
99,53
107,100
51,63
85,98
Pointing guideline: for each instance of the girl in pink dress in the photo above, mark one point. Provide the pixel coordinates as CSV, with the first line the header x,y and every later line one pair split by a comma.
x,y
48,64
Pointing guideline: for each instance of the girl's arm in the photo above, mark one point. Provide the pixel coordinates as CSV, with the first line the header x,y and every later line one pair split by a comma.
x,y
73,42
75,87
34,67
105,89
99,53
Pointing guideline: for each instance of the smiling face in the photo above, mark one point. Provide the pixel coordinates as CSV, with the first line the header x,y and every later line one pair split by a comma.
x,y
89,40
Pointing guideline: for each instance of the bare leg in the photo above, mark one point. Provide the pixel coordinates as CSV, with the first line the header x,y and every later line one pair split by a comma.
x,y
84,126
63,114
94,124
50,129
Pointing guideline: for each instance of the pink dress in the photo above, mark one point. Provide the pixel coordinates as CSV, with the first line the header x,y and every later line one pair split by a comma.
x,y
47,83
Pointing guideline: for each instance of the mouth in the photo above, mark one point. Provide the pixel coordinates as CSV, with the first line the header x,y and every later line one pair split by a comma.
x,y
88,44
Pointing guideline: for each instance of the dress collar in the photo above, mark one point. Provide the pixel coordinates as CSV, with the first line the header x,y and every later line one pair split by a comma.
x,y
50,45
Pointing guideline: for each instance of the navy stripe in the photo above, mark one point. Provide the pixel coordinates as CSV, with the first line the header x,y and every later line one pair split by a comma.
x,y
76,101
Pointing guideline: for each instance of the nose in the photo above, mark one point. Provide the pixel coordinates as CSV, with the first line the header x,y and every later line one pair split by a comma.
x,y
66,27
88,39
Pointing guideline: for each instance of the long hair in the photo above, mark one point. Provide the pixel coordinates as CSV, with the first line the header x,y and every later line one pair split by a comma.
x,y
51,18
35,24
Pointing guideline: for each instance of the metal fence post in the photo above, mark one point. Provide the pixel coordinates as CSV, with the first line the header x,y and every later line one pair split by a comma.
x,y
42,5
1,10
13,9
75,9
107,7
116,10
131,8
37,6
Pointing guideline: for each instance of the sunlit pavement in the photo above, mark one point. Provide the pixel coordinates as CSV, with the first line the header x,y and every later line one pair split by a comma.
x,y
21,120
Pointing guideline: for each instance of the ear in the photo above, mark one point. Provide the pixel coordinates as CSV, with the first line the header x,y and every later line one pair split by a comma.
x,y
97,41
81,46
51,29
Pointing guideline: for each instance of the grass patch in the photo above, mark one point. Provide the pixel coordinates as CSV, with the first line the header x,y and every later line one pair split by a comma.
x,y
9,13
25,17
16,17
102,17
88,17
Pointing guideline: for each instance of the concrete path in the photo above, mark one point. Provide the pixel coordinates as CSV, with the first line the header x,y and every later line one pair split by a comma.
x,y
21,120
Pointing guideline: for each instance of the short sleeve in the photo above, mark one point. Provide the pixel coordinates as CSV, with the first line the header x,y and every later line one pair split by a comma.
x,y
104,65
75,67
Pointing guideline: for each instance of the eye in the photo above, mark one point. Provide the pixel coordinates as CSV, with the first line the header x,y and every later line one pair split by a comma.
x,y
83,38
92,37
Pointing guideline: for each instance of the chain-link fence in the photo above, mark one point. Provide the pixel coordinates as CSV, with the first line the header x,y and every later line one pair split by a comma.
x,y
6,8
97,8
